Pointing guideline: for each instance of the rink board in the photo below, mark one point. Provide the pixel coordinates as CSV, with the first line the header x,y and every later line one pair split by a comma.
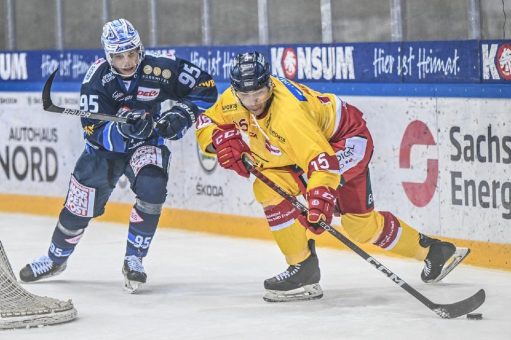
x,y
441,164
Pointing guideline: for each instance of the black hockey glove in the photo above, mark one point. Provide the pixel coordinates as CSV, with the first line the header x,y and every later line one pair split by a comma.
x,y
139,125
174,123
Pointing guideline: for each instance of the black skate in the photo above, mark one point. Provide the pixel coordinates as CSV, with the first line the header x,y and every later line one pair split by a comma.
x,y
298,282
442,258
41,268
134,274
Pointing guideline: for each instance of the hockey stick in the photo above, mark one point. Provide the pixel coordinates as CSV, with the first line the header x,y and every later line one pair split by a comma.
x,y
50,107
445,311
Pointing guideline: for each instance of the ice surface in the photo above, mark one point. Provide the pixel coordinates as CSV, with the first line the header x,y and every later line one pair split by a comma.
x,y
204,286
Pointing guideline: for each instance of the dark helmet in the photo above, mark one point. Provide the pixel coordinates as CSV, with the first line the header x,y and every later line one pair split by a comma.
x,y
250,71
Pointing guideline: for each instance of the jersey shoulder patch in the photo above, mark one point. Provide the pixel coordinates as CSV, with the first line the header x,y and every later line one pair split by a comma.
x,y
92,70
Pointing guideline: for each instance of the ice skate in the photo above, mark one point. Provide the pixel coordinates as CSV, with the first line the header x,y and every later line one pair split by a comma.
x,y
134,274
41,268
298,283
442,258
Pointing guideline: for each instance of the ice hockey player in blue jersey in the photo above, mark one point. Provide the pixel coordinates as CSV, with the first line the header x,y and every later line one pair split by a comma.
x,y
131,84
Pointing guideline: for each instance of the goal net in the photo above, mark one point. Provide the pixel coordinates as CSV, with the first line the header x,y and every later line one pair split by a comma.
x,y
21,309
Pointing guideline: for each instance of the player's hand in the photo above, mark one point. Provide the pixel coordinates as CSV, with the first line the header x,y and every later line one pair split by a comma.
x,y
174,123
139,123
230,147
321,201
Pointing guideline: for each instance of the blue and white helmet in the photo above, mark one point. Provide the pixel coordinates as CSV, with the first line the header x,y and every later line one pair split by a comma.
x,y
121,36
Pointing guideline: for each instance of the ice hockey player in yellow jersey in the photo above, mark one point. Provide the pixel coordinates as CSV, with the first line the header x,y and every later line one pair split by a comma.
x,y
312,144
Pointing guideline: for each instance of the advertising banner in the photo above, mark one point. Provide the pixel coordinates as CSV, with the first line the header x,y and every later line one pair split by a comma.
x,y
443,164
441,128
393,62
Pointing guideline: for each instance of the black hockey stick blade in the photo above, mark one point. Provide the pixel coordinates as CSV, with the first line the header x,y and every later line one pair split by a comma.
x,y
47,103
446,311
463,307
50,107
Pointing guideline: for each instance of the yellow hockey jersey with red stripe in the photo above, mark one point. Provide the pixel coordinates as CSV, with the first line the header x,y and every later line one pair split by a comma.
x,y
296,129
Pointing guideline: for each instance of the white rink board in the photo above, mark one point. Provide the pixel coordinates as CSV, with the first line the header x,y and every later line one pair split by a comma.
x,y
388,119
193,188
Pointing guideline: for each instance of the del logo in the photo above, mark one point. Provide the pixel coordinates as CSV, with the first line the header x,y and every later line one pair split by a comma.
x,y
147,93
418,133
496,61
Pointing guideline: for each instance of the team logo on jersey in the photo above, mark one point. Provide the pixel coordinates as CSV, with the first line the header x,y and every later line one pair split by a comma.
x,y
166,73
157,71
289,63
147,93
503,61
148,69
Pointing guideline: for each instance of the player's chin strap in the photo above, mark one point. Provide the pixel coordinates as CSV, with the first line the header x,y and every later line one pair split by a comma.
x,y
446,311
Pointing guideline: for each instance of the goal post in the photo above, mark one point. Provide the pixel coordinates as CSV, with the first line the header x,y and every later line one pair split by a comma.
x,y
22,309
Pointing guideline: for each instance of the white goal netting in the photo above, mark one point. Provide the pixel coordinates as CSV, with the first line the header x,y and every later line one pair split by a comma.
x,y
21,309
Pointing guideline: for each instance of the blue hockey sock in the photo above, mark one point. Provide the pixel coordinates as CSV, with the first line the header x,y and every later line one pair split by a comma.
x,y
63,243
141,232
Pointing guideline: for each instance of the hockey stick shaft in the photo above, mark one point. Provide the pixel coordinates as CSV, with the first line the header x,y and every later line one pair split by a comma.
x,y
50,107
444,311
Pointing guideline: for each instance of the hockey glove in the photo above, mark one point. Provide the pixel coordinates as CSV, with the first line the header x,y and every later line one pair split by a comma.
x,y
229,148
321,201
175,122
139,123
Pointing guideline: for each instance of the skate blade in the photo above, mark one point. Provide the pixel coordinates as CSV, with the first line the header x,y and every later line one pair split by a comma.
x,y
305,293
456,258
131,286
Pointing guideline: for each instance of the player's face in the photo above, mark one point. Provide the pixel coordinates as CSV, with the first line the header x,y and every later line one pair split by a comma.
x,y
126,62
255,101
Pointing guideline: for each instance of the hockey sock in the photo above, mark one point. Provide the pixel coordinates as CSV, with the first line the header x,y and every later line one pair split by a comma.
x,y
141,231
292,241
400,238
63,243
